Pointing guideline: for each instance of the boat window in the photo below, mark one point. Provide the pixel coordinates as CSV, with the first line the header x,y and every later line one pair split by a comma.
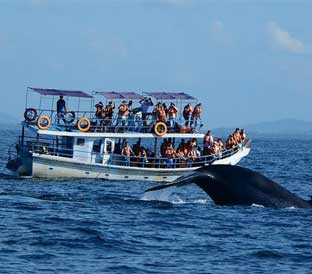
x,y
80,142
97,146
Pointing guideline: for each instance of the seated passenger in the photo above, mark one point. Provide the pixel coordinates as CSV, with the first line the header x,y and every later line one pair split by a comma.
x,y
187,112
191,157
196,116
172,114
182,144
230,142
221,146
243,135
237,136
193,143
181,159
123,111
208,142
170,155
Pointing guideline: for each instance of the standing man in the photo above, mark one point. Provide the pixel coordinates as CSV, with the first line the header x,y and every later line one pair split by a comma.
x,y
146,102
61,109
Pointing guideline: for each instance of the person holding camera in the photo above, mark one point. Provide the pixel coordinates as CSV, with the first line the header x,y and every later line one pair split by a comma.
x,y
172,115
146,102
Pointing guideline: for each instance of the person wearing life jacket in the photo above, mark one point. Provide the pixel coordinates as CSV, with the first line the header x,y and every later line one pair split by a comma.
x,y
237,136
109,112
161,115
172,115
196,116
191,157
123,111
220,143
230,142
243,135
126,153
208,142
180,155
182,144
187,112
170,155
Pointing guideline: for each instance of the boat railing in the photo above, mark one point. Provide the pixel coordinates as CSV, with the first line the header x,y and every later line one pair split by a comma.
x,y
116,159
70,121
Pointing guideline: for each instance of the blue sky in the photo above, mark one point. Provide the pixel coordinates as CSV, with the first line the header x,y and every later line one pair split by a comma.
x,y
246,60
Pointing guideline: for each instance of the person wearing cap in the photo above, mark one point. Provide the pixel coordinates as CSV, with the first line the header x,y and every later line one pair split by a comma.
x,y
99,110
146,102
61,109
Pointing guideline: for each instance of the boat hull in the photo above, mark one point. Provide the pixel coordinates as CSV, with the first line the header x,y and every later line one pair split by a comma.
x,y
46,166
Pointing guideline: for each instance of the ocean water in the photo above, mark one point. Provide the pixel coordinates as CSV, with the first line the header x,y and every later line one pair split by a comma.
x,y
97,226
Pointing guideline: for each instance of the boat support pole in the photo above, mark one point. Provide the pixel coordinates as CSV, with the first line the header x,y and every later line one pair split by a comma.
x,y
23,135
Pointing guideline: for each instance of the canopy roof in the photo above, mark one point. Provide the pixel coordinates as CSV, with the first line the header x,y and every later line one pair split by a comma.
x,y
59,92
170,95
120,95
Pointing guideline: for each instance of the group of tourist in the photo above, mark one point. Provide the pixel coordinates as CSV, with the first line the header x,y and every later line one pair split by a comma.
x,y
169,114
186,153
160,112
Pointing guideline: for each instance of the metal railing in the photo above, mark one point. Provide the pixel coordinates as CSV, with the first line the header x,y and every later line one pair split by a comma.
x,y
132,123
116,159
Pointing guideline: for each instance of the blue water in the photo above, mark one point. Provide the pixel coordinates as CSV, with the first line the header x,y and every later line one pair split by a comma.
x,y
96,226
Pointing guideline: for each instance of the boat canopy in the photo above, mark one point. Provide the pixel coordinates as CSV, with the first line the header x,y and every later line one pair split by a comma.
x,y
120,95
60,92
170,95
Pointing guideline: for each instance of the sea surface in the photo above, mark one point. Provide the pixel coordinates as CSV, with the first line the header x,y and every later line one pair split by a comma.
x,y
97,226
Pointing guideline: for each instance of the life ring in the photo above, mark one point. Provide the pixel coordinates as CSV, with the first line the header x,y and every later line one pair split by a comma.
x,y
30,114
84,124
160,129
43,122
70,117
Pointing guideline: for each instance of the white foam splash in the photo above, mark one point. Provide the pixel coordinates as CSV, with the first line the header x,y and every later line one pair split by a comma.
x,y
256,205
159,195
170,195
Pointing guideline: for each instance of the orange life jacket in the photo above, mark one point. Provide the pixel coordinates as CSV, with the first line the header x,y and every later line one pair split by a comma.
x,y
197,111
123,109
126,151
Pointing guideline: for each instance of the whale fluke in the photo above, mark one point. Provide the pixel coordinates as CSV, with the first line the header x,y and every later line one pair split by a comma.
x,y
234,185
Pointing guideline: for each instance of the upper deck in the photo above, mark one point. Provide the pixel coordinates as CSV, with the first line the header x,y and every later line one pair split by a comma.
x,y
110,114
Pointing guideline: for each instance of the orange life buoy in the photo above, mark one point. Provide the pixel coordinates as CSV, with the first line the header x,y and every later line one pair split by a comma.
x,y
160,129
84,124
43,122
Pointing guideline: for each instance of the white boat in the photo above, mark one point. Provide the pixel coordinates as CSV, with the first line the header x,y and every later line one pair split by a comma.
x,y
84,146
